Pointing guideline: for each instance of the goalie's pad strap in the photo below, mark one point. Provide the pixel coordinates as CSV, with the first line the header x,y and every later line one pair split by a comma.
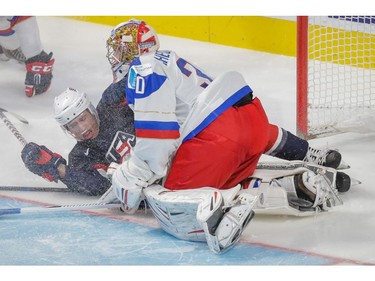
x,y
232,224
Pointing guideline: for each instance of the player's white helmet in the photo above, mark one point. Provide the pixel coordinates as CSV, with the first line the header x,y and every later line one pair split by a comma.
x,y
70,104
127,41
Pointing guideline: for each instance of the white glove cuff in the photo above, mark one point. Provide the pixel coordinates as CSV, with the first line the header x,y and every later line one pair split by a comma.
x,y
129,195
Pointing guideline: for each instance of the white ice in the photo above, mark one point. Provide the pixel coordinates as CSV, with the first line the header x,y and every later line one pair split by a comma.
x,y
346,233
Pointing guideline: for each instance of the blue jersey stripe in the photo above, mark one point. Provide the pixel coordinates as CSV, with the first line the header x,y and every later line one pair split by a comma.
x,y
156,125
218,111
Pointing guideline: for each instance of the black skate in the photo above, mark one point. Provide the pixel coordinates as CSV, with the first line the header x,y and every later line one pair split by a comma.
x,y
328,158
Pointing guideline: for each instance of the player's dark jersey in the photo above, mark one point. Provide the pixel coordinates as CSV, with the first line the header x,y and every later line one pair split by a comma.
x,y
89,159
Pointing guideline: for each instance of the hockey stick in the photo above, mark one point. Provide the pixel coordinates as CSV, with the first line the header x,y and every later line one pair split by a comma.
x,y
11,127
34,188
58,208
19,117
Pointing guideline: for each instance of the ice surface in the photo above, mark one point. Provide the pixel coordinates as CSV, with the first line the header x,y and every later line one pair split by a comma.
x,y
344,236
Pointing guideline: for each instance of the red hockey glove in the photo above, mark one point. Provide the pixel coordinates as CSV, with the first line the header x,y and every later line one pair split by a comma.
x,y
41,161
38,74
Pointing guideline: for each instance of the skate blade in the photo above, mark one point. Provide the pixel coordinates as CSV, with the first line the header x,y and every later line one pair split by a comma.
x,y
343,166
355,182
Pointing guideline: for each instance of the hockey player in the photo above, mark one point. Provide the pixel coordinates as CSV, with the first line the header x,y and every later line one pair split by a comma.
x,y
104,135
20,40
204,136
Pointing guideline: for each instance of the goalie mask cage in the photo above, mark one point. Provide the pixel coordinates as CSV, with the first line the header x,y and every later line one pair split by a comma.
x,y
335,71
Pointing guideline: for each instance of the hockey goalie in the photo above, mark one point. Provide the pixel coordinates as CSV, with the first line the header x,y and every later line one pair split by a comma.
x,y
197,138
203,195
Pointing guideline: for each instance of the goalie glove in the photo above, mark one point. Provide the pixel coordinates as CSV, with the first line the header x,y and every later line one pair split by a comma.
x,y
111,170
129,179
41,161
38,74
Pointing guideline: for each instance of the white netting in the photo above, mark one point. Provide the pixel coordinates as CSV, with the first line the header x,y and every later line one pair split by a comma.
x,y
341,75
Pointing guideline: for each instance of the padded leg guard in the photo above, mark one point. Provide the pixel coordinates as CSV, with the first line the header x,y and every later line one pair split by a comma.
x,y
275,184
205,214
176,211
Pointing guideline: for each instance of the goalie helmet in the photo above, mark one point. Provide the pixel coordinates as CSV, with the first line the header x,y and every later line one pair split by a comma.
x,y
127,41
70,104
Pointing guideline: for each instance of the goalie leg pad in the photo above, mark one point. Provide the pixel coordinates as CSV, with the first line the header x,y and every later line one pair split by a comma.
x,y
294,188
176,211
319,190
202,214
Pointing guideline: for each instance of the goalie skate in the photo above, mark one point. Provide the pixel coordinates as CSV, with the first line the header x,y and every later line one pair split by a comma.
x,y
326,157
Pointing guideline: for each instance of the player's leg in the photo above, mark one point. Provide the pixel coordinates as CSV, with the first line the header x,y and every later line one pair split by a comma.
x,y
223,154
39,64
9,41
285,145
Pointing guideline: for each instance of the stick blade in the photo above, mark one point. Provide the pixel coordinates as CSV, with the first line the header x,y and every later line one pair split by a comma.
x,y
17,116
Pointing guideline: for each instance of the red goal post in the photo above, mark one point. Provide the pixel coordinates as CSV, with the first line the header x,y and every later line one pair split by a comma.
x,y
335,72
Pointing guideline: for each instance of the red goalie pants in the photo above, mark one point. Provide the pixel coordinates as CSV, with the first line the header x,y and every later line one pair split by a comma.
x,y
224,153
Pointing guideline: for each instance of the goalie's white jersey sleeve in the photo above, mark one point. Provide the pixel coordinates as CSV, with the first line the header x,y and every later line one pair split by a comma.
x,y
165,93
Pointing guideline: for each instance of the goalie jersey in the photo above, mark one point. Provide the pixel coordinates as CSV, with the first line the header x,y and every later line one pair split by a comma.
x,y
171,103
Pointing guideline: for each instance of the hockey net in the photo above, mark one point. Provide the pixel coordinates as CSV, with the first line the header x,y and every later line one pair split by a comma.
x,y
335,74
